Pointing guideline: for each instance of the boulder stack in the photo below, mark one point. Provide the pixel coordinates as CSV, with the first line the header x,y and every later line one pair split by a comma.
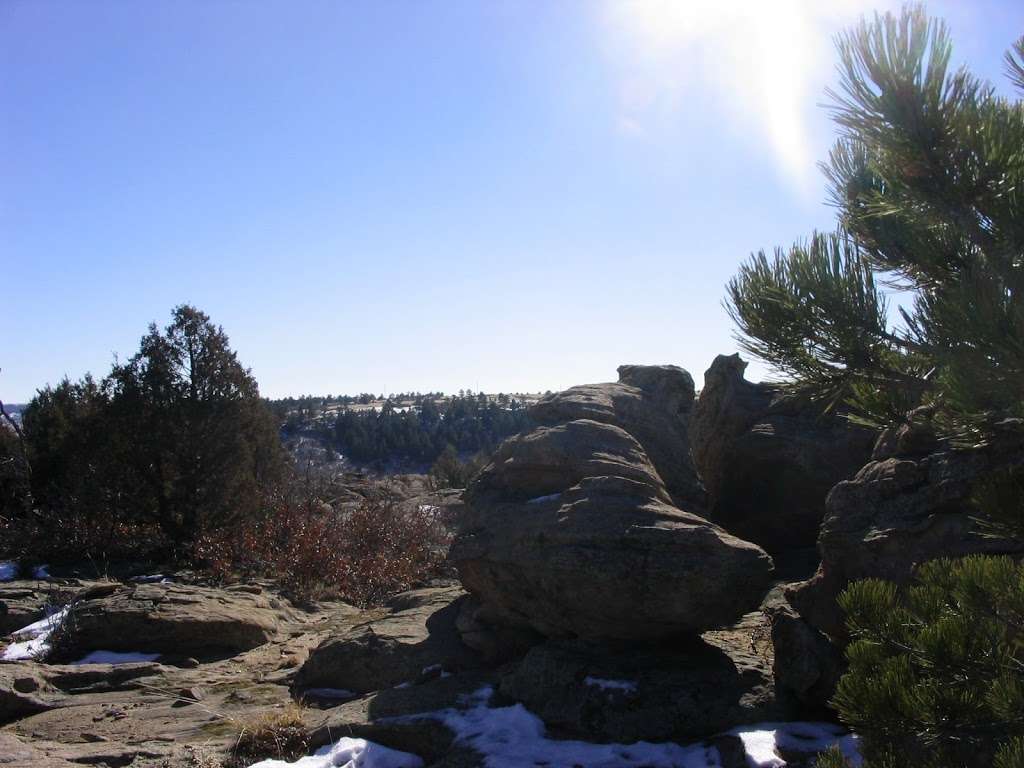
x,y
572,532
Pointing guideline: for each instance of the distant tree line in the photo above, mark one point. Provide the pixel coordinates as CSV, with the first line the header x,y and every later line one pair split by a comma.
x,y
419,433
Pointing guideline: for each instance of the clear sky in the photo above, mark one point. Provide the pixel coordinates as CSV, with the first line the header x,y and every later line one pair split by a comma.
x,y
390,196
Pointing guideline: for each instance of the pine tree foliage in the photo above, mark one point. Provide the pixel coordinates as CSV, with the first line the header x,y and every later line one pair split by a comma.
x,y
936,670
927,178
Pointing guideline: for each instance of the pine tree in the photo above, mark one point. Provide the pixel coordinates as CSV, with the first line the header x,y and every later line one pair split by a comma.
x,y
927,177
936,675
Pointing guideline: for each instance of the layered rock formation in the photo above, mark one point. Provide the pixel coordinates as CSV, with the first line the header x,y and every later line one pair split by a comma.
x,y
570,530
582,548
650,402
905,508
767,462
173,619
899,512
415,637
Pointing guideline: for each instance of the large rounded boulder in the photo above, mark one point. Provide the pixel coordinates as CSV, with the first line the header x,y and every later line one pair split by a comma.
x,y
571,532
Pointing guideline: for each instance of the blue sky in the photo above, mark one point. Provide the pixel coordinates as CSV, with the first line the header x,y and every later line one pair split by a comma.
x,y
392,196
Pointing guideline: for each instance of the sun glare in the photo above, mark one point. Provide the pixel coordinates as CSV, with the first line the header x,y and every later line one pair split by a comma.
x,y
767,61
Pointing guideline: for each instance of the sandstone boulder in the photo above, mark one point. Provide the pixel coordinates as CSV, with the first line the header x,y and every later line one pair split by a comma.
x,y
900,512
174,619
768,462
650,402
416,636
570,532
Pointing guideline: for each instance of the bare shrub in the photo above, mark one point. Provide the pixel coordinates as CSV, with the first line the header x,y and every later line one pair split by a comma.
x,y
70,538
362,555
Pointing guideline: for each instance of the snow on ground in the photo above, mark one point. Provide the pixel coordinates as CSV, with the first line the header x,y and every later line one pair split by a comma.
x,y
116,657
435,669
626,686
761,740
41,572
34,639
542,499
513,737
8,570
350,753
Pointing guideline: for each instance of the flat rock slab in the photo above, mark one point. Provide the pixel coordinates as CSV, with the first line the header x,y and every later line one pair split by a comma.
x,y
24,691
174,619
415,637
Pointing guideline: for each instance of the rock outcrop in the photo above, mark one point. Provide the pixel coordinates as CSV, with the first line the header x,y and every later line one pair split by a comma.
x,y
652,403
416,637
902,511
571,532
174,619
767,462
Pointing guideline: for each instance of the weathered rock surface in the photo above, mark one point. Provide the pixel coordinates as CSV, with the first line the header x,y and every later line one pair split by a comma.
x,y
807,665
570,531
900,512
23,691
175,619
680,689
415,637
768,463
650,402
482,629
20,605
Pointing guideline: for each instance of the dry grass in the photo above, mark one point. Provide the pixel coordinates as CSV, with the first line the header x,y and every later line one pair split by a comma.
x,y
279,734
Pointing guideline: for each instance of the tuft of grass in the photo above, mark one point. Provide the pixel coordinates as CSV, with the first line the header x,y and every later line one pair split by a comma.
x,y
279,734
831,758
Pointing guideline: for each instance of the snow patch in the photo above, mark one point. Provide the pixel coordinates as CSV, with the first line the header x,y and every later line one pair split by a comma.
x,y
626,686
41,572
35,640
513,737
761,742
542,499
8,570
156,578
116,657
350,753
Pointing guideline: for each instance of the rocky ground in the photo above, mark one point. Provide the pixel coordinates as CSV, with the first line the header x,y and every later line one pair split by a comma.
x,y
228,657
637,586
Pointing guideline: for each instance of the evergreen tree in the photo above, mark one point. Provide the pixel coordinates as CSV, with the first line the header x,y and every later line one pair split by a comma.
x,y
927,177
200,440
176,437
936,675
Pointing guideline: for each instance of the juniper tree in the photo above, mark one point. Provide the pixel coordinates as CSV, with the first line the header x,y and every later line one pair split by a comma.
x,y
927,178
